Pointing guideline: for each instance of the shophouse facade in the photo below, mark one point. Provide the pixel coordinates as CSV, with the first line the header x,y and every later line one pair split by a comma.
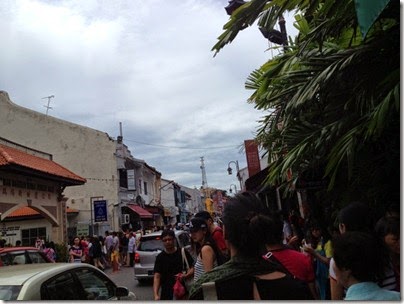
x,y
90,153
32,203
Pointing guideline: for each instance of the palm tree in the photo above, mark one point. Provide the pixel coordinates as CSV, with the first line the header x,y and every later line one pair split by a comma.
x,y
332,98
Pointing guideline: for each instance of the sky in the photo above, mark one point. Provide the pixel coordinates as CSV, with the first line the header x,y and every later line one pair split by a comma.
x,y
145,64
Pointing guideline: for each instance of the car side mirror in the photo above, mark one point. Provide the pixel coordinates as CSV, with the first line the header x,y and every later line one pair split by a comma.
x,y
121,292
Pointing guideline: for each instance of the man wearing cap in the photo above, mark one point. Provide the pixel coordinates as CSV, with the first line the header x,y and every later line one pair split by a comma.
x,y
215,231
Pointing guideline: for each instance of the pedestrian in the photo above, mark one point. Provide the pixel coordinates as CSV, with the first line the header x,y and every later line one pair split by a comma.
x,y
388,231
168,264
104,254
215,231
131,248
206,249
18,243
108,244
115,252
85,247
95,252
247,276
357,267
39,243
75,251
296,263
50,252
123,247
356,216
321,251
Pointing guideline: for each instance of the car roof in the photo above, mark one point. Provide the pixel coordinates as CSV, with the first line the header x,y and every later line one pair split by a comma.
x,y
18,274
158,233
9,249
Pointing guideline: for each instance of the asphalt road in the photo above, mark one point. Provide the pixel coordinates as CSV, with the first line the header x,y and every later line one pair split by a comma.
x,y
125,277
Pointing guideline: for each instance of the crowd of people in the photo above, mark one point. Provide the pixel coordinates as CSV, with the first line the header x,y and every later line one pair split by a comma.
x,y
260,255
115,249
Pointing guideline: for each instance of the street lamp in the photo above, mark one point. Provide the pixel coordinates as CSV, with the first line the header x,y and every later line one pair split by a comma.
x,y
233,5
230,170
275,36
235,189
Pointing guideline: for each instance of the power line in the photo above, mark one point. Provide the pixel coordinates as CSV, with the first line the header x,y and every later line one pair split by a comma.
x,y
178,147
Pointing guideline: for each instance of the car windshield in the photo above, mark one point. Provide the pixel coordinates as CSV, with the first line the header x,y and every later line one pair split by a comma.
x,y
9,292
151,244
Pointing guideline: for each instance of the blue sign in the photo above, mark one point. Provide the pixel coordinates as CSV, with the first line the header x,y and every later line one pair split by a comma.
x,y
100,211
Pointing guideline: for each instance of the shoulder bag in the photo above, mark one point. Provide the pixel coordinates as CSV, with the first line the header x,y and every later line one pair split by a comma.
x,y
187,282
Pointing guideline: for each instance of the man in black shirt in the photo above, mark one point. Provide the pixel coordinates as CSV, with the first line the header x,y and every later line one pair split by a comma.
x,y
168,264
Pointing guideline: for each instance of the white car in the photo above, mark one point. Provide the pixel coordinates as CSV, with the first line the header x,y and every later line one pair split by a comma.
x,y
58,281
149,247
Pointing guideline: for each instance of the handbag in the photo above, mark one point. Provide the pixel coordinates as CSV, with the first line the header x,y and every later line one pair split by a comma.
x,y
179,290
187,282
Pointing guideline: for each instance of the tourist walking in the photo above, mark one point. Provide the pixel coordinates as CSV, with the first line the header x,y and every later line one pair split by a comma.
x,y
168,264
205,247
76,251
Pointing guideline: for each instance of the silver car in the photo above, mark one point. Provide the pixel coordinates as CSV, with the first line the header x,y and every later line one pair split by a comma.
x,y
58,281
149,247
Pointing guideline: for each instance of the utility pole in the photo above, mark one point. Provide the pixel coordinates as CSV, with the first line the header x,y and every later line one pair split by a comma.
x,y
47,106
204,180
205,190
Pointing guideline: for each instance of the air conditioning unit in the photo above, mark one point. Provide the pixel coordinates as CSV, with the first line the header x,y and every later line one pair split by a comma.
x,y
125,218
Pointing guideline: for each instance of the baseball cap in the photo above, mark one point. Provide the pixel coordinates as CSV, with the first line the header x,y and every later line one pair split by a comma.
x,y
196,224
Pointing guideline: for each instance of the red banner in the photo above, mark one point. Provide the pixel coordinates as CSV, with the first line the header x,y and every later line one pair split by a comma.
x,y
253,159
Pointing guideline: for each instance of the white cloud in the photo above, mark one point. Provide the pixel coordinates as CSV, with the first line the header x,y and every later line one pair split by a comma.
x,y
147,64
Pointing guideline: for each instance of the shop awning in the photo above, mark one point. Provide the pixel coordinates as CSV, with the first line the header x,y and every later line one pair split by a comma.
x,y
142,212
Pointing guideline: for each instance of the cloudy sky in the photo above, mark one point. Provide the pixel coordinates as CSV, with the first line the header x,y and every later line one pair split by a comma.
x,y
147,64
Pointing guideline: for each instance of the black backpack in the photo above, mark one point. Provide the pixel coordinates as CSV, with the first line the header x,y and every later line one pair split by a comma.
x,y
270,257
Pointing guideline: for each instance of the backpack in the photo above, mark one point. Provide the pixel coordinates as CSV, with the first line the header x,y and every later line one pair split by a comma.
x,y
303,284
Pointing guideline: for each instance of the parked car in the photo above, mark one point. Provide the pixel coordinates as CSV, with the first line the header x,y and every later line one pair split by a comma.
x,y
59,281
22,255
149,247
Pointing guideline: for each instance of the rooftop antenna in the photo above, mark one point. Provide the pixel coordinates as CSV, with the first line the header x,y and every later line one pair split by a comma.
x,y
47,106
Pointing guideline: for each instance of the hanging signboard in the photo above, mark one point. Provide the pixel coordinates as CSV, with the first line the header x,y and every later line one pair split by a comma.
x,y
100,211
253,159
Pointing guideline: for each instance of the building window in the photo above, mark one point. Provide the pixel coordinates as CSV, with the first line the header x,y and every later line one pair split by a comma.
x,y
123,179
28,236
145,188
140,186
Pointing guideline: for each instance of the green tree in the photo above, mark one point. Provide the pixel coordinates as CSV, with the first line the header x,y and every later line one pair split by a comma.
x,y
333,98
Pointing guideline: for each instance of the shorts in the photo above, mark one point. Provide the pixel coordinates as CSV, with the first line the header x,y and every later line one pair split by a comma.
x,y
115,256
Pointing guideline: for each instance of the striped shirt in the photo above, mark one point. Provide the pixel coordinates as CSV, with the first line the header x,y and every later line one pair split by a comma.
x,y
198,268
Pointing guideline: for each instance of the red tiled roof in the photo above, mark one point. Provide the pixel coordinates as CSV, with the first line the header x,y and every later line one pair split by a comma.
x,y
28,211
12,156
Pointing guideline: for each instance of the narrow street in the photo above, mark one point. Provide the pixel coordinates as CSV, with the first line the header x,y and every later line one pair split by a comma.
x,y
124,277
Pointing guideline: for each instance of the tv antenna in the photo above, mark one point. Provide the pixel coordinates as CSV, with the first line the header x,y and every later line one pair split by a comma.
x,y
47,106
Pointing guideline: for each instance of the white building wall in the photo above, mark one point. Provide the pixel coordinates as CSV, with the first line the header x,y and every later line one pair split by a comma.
x,y
195,204
14,228
167,199
85,151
